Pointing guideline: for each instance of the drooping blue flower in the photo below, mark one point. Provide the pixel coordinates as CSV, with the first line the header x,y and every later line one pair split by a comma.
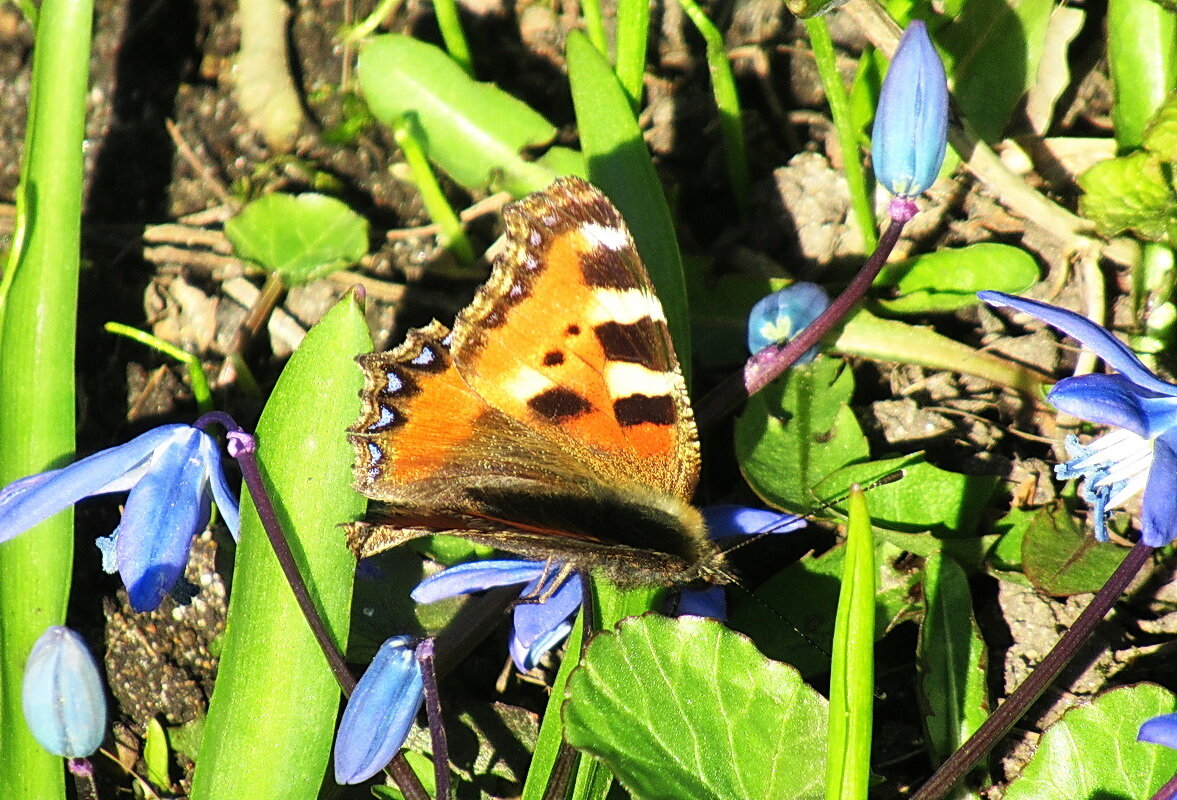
x,y
537,627
911,123
1142,452
1159,730
172,472
380,712
62,696
778,317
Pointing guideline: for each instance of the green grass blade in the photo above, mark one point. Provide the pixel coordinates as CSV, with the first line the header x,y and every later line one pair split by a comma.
x,y
450,25
852,667
633,32
1142,59
831,80
619,163
272,715
727,100
37,341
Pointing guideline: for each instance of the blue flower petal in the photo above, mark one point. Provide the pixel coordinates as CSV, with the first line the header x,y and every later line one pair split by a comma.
x,y
380,712
733,520
1110,400
538,627
1159,506
210,454
1099,340
62,696
164,511
477,576
911,124
1159,730
31,500
710,602
526,657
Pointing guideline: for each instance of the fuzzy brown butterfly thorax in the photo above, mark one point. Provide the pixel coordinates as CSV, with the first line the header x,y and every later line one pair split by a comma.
x,y
553,421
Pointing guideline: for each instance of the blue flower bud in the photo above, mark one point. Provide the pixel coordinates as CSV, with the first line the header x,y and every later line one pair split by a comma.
x,y
783,314
64,703
911,122
380,712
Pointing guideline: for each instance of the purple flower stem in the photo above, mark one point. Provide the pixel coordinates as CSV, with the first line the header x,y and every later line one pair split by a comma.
x,y
83,771
243,447
768,364
1009,712
1168,791
441,752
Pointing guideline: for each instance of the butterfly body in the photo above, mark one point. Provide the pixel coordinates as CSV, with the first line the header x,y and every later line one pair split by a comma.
x,y
553,421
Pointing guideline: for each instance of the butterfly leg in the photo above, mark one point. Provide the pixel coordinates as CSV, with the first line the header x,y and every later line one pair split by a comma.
x,y
553,577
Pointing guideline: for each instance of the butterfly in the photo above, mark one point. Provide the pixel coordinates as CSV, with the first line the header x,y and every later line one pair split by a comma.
x,y
553,421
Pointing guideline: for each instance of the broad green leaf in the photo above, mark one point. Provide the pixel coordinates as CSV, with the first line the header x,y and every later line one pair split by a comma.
x,y
991,51
1092,752
300,237
273,710
797,432
951,658
474,131
1005,557
805,596
1060,559
924,498
1130,193
680,708
946,280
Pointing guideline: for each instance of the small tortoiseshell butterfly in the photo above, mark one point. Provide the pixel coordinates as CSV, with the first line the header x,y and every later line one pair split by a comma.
x,y
552,421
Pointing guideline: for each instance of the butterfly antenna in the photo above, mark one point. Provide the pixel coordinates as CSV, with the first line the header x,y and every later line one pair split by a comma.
x,y
792,522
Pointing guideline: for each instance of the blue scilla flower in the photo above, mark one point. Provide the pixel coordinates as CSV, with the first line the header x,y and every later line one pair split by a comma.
x,y
778,317
380,712
537,627
911,122
1142,452
62,696
172,473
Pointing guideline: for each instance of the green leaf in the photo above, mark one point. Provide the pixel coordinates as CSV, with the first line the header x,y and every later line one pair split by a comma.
x,y
301,237
991,54
1142,62
951,658
852,663
1092,751
272,713
950,279
619,163
805,595
1160,136
925,498
38,403
684,707
1130,193
797,432
868,336
476,132
156,755
1060,559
